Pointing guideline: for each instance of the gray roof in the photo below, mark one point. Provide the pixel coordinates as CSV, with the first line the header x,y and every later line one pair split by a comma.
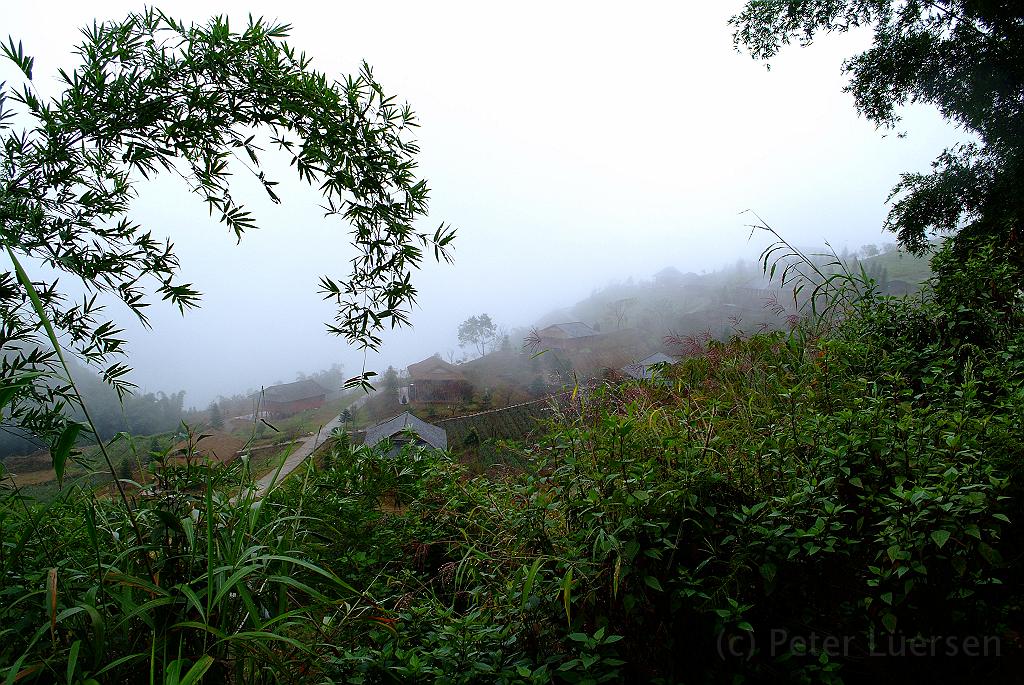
x,y
290,392
572,329
435,436
642,368
669,272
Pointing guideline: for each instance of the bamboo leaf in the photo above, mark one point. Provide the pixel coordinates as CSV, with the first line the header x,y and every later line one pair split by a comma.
x,y
530,577
62,450
51,602
198,670
567,595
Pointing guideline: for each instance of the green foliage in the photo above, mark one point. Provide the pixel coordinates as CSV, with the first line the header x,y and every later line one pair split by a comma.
x,y
861,483
860,478
155,95
139,414
218,585
216,418
858,475
478,332
961,56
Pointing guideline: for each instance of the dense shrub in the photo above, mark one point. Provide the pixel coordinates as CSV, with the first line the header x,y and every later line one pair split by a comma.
x,y
775,507
771,491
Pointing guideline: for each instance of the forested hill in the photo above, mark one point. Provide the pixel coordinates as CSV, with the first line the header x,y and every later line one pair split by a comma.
x,y
736,298
143,413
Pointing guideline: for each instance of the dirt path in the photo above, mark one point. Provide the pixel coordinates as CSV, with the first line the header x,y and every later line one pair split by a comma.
x,y
302,450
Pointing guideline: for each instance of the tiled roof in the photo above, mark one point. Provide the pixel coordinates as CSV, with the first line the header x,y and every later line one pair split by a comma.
x,y
642,368
435,369
572,329
291,392
435,436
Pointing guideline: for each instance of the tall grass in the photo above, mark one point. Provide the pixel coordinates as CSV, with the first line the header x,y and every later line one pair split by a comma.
x,y
172,582
225,590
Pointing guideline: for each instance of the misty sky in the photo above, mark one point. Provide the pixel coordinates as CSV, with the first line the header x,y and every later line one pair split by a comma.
x,y
571,144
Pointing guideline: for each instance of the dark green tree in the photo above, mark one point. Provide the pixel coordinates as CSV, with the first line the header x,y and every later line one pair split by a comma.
x,y
124,471
391,381
216,418
155,95
153,449
965,57
332,378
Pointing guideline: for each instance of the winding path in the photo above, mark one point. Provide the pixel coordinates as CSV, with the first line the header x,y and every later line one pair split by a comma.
x,y
302,450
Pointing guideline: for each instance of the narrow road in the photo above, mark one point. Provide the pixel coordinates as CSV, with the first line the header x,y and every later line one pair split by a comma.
x,y
301,451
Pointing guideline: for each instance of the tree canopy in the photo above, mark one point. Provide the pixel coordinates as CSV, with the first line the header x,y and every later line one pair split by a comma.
x,y
966,57
155,95
478,332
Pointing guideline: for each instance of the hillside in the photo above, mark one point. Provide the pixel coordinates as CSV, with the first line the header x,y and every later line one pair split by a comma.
x,y
804,469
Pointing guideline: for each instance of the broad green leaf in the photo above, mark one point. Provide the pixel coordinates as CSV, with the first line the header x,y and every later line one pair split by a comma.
x,y
62,450
198,670
990,554
940,537
889,621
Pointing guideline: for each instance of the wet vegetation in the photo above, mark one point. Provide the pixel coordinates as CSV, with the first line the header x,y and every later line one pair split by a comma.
x,y
778,503
853,477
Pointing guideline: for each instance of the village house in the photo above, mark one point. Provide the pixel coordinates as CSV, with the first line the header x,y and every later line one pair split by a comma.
x,y
288,399
573,335
405,428
671,277
644,369
435,380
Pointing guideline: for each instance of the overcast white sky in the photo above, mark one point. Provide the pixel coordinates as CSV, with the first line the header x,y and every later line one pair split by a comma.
x,y
572,144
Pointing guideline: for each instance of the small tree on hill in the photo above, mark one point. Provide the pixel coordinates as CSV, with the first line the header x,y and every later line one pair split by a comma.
x,y
478,332
618,311
391,381
216,418
124,470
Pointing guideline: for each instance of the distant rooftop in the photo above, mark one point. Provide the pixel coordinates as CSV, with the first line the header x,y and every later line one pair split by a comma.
x,y
669,272
435,369
642,369
435,436
292,392
672,275
572,329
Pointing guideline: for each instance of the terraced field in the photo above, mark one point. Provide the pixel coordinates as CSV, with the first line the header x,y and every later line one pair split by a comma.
x,y
510,423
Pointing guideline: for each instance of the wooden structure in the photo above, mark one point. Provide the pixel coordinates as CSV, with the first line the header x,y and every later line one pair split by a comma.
x,y
573,335
435,380
291,398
